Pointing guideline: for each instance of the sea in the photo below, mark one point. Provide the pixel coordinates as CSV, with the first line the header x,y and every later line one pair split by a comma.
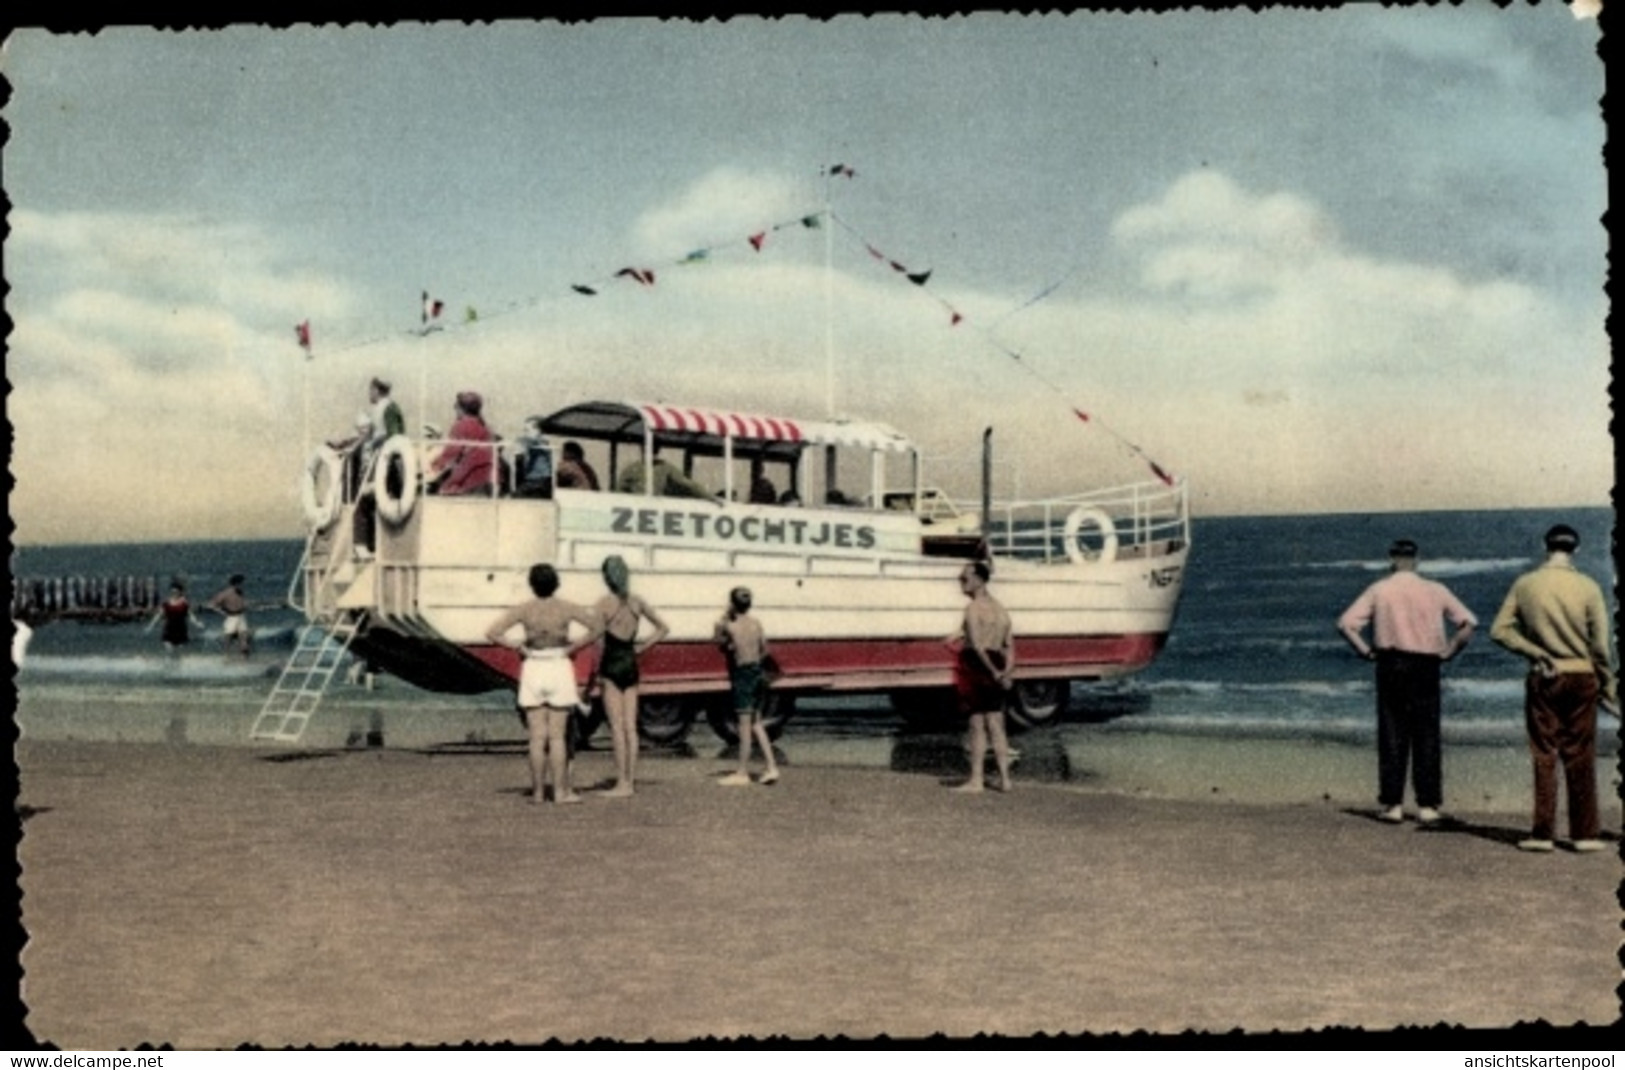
x,y
1254,650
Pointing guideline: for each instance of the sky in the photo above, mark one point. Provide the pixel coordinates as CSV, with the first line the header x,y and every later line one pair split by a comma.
x,y
1309,261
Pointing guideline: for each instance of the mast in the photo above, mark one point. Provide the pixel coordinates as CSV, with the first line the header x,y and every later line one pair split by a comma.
x,y
829,302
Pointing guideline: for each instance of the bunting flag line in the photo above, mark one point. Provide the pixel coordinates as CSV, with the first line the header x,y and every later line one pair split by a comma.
x,y
645,276
955,318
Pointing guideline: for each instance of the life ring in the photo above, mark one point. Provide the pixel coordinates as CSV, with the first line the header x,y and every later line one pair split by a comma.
x,y
395,503
320,492
1075,520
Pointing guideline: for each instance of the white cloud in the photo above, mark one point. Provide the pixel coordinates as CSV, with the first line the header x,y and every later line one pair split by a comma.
x,y
716,208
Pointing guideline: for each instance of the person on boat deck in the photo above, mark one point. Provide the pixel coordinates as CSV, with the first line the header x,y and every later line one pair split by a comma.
x,y
982,673
232,604
574,471
668,481
547,679
762,490
533,462
621,612
463,466
1406,614
382,421
745,644
176,612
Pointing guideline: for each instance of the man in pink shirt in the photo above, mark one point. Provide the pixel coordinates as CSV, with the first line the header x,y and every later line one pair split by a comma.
x,y
1407,614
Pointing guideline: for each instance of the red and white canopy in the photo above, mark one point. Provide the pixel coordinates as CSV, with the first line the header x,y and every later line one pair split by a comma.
x,y
707,429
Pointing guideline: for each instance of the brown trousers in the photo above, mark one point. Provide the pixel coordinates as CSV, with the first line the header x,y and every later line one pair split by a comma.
x,y
1561,715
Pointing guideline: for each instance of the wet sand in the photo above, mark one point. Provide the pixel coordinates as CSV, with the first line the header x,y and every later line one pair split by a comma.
x,y
212,896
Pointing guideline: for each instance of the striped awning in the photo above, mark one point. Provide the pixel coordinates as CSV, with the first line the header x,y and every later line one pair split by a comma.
x,y
707,429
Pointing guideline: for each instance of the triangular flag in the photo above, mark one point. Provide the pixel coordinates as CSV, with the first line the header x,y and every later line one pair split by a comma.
x,y
1080,414
842,169
757,239
644,276
876,253
588,290
895,266
432,307
1157,468
919,279
302,331
697,255
469,315
811,222
954,322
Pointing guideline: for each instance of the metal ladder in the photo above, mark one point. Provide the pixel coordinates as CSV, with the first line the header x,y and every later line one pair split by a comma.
x,y
304,680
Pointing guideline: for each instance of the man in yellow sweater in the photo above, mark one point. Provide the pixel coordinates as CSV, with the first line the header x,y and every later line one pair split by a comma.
x,y
1557,618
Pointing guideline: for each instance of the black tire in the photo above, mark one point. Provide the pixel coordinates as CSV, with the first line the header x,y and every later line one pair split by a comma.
x,y
664,720
724,719
926,708
1035,703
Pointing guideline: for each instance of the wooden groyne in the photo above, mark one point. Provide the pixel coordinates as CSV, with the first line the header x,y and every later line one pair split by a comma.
x,y
109,599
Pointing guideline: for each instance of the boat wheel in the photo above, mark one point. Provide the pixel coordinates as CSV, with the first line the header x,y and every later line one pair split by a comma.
x,y
664,720
1039,702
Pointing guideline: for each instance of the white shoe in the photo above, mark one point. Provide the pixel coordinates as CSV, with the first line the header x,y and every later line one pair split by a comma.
x,y
1427,815
1535,844
1393,815
1589,846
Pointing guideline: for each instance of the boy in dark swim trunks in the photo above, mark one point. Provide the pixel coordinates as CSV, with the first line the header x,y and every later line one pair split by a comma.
x,y
741,637
982,674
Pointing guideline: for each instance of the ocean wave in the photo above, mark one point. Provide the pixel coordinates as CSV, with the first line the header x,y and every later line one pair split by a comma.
x,y
151,667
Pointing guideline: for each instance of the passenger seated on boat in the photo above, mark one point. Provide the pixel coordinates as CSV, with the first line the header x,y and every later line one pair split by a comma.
x,y
574,471
668,481
762,491
836,497
462,467
533,463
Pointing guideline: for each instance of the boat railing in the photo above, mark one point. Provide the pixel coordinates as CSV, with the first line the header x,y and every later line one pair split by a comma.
x,y
1139,520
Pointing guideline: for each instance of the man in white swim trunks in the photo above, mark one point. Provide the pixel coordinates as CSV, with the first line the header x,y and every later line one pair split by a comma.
x,y
547,680
232,604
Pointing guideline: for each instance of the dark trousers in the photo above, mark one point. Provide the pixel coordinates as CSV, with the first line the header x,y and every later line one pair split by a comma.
x,y
1408,727
1561,715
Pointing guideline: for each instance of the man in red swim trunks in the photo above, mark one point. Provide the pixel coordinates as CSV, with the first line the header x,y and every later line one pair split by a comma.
x,y
982,671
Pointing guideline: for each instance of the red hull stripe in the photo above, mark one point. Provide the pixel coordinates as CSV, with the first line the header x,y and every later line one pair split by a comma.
x,y
819,661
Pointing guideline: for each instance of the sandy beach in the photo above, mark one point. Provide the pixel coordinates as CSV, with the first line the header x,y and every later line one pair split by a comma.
x,y
206,896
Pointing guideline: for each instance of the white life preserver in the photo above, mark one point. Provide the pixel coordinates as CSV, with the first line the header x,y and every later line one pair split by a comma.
x,y
395,508
1075,520
321,506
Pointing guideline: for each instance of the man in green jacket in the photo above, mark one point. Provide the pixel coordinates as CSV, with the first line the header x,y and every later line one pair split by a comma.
x,y
1557,618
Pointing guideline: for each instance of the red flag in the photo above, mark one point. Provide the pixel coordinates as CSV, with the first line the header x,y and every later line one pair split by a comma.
x,y
644,276
876,253
432,307
1157,468
956,318
895,266
842,169
302,330
756,240
1080,414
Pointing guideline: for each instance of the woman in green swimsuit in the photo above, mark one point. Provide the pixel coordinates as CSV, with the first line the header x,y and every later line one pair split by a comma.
x,y
622,612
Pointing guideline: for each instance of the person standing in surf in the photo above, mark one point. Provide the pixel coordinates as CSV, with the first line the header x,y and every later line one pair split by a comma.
x,y
547,680
621,612
1406,614
982,674
744,642
175,612
232,604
